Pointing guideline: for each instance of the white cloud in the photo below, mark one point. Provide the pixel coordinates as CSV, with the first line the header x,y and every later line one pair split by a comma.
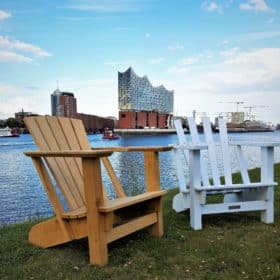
x,y
229,52
175,47
261,35
107,6
188,61
211,6
254,5
251,76
183,65
8,56
4,15
156,60
148,35
9,44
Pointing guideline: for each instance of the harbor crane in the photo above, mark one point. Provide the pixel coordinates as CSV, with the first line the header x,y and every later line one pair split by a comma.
x,y
235,102
250,108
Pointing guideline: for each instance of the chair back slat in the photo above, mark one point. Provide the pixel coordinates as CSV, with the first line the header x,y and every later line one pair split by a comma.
x,y
61,174
211,150
55,136
243,165
58,127
181,137
196,141
225,150
81,133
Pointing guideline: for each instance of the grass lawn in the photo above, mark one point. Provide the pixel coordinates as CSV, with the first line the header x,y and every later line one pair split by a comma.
x,y
231,246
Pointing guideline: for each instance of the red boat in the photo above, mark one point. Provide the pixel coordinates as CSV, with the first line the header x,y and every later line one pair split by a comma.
x,y
110,135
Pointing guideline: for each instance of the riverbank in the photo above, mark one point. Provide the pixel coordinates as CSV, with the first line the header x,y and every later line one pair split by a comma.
x,y
145,131
235,246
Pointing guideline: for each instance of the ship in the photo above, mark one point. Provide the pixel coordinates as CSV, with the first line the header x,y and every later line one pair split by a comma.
x,y
8,132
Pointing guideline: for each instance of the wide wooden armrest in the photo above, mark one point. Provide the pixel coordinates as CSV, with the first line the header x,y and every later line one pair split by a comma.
x,y
114,204
135,149
256,143
68,153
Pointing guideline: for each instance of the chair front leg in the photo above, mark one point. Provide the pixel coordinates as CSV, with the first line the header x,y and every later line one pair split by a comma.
x,y
267,176
195,196
98,250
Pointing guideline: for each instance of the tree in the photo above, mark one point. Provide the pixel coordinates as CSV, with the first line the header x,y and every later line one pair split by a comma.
x,y
12,122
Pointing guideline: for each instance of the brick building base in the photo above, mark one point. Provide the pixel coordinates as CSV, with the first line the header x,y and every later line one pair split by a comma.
x,y
130,119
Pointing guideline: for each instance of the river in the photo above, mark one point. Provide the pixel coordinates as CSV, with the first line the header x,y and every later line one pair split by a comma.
x,y
22,196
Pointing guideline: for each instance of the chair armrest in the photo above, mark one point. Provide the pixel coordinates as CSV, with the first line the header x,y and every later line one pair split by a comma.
x,y
255,143
70,153
135,149
191,147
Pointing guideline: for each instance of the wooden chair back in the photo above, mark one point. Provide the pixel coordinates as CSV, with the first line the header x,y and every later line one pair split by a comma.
x,y
56,134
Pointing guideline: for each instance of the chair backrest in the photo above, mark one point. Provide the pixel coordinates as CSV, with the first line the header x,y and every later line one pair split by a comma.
x,y
56,134
213,153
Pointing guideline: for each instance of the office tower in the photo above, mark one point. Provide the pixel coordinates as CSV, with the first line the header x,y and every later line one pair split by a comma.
x,y
63,104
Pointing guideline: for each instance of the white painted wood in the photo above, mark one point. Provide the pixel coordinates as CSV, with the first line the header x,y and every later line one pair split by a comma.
x,y
179,169
225,150
197,143
211,150
267,158
233,207
237,197
181,202
242,165
195,197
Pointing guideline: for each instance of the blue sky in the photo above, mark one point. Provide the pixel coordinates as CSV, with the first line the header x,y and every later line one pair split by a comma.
x,y
211,53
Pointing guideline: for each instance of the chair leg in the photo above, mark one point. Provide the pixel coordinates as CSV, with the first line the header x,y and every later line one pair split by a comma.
x,y
195,210
157,228
98,248
49,233
267,216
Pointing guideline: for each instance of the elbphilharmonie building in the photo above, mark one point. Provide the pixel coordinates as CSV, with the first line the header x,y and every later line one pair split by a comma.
x,y
142,105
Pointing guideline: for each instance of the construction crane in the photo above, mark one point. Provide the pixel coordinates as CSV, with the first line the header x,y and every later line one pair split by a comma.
x,y
250,108
235,102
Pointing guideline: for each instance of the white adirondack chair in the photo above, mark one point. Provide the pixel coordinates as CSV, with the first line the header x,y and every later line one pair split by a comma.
x,y
237,197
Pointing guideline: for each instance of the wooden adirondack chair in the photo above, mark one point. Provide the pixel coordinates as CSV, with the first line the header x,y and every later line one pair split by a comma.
x,y
237,197
65,156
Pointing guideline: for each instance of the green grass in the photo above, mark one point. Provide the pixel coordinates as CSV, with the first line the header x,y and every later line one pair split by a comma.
x,y
231,246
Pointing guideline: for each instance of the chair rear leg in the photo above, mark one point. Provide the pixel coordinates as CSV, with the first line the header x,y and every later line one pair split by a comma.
x,y
195,210
267,216
49,233
157,228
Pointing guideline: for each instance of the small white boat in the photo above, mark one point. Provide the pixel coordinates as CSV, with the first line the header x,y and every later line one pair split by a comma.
x,y
8,132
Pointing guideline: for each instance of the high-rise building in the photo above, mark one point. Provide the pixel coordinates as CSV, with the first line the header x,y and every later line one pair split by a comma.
x,y
141,104
63,104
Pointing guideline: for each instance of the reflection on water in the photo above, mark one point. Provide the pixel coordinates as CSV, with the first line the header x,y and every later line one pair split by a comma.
x,y
22,197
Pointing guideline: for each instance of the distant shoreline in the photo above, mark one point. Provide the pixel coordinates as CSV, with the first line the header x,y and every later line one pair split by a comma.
x,y
150,131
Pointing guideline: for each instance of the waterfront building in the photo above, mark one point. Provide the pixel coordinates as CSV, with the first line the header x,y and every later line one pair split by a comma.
x,y
19,116
141,104
63,104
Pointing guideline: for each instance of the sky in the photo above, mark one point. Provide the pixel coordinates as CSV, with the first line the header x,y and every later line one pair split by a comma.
x,y
213,54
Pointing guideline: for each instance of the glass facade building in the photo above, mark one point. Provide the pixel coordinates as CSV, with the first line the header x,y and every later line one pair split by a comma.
x,y
137,94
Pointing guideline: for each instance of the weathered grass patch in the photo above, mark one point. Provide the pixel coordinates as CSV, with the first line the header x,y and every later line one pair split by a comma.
x,y
232,246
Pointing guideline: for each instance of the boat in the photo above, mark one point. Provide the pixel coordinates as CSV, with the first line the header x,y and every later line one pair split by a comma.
x,y
8,132
110,135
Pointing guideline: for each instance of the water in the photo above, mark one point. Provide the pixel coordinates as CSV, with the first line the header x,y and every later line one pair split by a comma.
x,y
22,196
